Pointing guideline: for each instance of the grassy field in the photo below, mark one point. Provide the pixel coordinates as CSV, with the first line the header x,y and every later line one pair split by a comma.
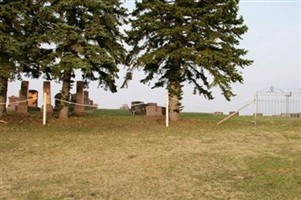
x,y
112,155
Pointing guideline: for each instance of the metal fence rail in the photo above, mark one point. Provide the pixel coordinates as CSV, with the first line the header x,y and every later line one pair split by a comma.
x,y
277,103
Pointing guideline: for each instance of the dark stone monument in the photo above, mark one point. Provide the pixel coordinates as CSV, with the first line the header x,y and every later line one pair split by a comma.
x,y
33,98
86,98
138,108
88,101
148,109
151,109
218,113
57,102
47,90
73,101
163,110
79,109
232,112
12,103
22,107
160,111
296,115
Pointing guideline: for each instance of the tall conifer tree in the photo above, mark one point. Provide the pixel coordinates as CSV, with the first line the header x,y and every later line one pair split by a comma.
x,y
19,47
10,44
194,41
85,36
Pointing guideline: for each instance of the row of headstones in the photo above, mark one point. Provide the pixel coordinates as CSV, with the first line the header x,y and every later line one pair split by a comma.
x,y
86,102
13,101
148,109
28,99
152,109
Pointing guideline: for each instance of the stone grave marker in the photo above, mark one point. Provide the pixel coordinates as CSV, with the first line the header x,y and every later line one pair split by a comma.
x,y
86,98
79,109
124,107
232,112
57,102
47,90
22,107
138,108
160,111
151,110
12,103
33,99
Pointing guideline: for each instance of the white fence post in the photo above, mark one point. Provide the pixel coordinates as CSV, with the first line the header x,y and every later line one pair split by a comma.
x,y
44,108
167,110
256,108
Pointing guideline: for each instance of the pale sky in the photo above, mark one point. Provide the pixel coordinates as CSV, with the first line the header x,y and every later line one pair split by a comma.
x,y
273,42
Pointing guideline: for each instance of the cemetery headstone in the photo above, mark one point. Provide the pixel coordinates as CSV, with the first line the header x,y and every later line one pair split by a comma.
x,y
12,103
151,110
138,108
57,102
232,112
79,109
47,90
22,107
218,113
86,97
160,111
33,99
124,107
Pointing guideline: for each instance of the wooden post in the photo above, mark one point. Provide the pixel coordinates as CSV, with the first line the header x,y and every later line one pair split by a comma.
x,y
235,113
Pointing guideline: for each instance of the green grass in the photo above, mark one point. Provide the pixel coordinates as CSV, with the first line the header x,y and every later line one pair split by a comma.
x,y
110,154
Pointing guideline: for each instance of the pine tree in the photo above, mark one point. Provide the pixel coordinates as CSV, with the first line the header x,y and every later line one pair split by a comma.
x,y
85,36
194,41
18,44
9,45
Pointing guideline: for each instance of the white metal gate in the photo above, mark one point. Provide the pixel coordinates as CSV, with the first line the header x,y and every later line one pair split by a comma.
x,y
278,103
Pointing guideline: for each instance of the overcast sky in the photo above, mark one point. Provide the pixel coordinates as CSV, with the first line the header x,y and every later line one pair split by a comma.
x,y
273,42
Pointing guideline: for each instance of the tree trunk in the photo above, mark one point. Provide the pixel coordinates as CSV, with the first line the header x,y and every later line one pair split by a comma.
x,y
174,101
3,95
64,112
